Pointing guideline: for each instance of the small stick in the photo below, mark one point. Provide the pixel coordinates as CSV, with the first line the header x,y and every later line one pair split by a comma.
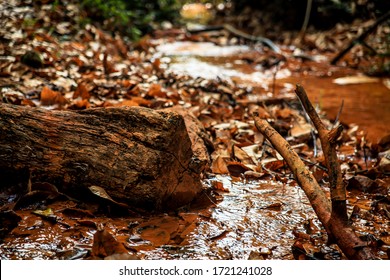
x,y
361,38
328,143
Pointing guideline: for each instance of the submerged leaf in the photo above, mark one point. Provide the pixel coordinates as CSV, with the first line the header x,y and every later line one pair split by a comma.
x,y
105,244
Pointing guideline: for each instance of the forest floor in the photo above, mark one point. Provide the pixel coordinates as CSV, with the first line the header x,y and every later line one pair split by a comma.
x,y
259,212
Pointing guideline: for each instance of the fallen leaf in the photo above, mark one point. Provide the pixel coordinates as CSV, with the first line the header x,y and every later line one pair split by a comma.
x,y
219,166
300,130
81,91
100,192
274,165
156,90
351,80
236,169
361,183
242,156
218,186
51,97
8,220
158,230
105,244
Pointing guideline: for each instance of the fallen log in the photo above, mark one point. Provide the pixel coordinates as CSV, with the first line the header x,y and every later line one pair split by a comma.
x,y
332,214
139,156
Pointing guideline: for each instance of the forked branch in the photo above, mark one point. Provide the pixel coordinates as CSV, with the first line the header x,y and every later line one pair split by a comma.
x,y
333,215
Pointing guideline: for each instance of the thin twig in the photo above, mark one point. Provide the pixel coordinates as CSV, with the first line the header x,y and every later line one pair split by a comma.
x,y
305,21
339,113
361,38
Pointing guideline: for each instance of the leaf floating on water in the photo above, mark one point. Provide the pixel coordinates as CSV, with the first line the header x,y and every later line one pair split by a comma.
x,y
44,213
35,197
277,206
159,230
218,186
48,215
219,235
352,80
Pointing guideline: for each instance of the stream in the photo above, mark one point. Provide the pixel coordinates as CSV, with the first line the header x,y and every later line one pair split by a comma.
x,y
366,104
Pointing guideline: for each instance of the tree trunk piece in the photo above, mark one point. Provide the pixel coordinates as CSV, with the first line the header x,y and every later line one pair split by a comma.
x,y
139,156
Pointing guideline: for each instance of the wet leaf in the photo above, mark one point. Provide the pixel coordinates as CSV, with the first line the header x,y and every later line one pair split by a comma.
x,y
219,235
8,220
44,213
105,244
237,169
218,186
277,206
159,231
36,198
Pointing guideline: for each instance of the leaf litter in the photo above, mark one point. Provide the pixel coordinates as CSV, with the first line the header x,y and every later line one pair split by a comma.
x,y
257,209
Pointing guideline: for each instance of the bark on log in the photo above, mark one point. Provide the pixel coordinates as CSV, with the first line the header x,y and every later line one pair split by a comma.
x,y
139,156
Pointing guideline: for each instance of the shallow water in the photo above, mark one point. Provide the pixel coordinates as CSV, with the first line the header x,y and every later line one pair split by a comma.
x,y
365,104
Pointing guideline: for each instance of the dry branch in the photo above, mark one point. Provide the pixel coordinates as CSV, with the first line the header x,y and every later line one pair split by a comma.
x,y
328,142
335,224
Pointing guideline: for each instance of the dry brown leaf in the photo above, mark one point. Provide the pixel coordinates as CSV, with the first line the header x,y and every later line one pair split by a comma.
x,y
242,156
236,169
274,165
300,129
350,80
129,103
156,90
51,97
81,91
284,113
218,186
219,166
